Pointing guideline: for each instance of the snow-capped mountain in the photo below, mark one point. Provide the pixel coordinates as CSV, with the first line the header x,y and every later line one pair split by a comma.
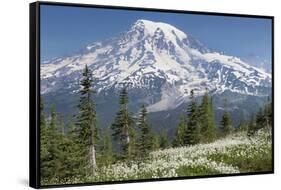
x,y
158,63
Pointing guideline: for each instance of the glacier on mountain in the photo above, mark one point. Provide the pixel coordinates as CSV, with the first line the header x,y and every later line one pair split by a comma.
x,y
158,57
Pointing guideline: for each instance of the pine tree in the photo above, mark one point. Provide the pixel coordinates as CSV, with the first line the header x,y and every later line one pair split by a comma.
x,y
66,167
106,152
61,126
42,113
207,120
43,142
67,151
122,127
226,125
70,149
264,116
163,140
268,114
251,127
212,118
52,161
192,132
180,132
145,139
61,146
155,142
261,119
86,128
242,126
54,155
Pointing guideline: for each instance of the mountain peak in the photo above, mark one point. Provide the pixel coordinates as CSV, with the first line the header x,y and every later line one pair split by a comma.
x,y
151,28
159,58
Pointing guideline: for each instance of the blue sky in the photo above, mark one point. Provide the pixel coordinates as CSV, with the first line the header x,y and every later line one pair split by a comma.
x,y
65,30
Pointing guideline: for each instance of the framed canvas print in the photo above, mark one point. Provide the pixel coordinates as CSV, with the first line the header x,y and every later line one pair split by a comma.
x,y
121,94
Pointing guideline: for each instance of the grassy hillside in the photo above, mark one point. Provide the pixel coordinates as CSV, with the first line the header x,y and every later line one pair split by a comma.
x,y
236,153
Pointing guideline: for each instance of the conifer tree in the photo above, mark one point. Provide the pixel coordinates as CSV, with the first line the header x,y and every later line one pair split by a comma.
x,y
66,159
207,120
264,117
61,126
163,140
192,132
54,155
108,149
42,123
251,127
86,128
62,145
155,142
180,132
268,114
226,124
122,127
242,126
106,152
213,120
69,157
261,119
52,161
42,113
43,142
145,139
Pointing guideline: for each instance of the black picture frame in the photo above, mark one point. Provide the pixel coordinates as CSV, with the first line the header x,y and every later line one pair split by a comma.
x,y
34,91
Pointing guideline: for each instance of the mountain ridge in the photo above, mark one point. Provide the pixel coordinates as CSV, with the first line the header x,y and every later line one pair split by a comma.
x,y
160,59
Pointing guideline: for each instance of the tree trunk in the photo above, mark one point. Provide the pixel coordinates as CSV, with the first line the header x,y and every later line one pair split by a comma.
x,y
93,159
